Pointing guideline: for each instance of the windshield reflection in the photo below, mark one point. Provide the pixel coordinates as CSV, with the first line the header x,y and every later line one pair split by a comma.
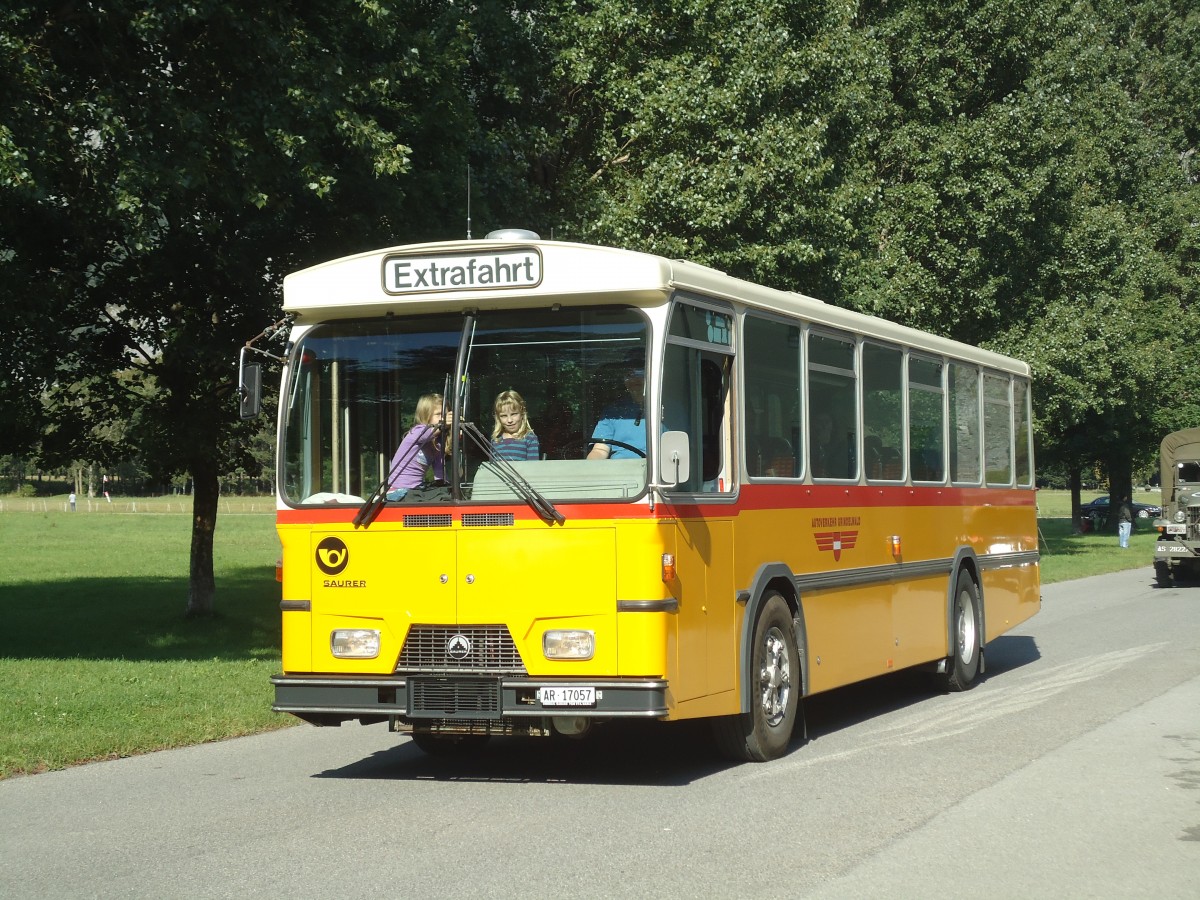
x,y
357,389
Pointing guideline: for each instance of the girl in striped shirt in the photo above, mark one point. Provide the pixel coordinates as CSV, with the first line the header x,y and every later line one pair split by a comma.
x,y
513,436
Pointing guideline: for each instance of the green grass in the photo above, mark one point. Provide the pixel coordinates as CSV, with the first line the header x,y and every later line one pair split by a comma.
x,y
1066,555
98,661
96,656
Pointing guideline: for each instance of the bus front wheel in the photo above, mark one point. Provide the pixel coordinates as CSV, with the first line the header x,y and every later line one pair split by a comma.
x,y
765,731
962,666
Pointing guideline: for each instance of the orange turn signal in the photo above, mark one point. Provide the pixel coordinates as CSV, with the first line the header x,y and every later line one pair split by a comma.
x,y
895,539
668,567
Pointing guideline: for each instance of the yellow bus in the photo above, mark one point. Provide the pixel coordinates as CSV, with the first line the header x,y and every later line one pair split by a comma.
x,y
739,496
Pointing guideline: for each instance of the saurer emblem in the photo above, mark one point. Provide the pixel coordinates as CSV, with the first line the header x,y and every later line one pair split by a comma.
x,y
458,647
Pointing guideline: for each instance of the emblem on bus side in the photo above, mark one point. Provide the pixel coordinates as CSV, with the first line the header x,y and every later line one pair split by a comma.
x,y
458,647
837,541
332,556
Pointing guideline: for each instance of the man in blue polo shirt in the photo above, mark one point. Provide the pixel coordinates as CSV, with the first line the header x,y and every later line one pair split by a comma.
x,y
623,421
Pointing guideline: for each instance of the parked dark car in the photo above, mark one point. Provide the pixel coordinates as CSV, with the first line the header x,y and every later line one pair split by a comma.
x,y
1098,509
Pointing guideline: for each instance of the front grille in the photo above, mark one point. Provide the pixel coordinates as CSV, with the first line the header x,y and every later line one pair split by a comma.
x,y
429,520
492,650
1193,523
476,520
453,697
529,726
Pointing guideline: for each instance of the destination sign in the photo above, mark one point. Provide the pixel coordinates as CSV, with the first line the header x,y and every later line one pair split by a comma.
x,y
465,271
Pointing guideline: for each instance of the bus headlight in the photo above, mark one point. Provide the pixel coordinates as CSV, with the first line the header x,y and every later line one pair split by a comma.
x,y
568,644
354,643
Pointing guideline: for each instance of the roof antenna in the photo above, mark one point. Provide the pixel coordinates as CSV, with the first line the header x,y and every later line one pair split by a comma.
x,y
468,201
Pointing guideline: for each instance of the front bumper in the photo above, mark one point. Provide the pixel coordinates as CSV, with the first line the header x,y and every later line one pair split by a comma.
x,y
333,699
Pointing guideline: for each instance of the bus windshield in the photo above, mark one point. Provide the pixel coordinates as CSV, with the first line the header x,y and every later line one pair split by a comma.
x,y
356,389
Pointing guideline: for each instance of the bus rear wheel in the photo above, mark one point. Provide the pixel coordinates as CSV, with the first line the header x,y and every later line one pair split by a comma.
x,y
962,666
765,731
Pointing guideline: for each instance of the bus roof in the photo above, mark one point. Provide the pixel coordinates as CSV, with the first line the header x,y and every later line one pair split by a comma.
x,y
479,274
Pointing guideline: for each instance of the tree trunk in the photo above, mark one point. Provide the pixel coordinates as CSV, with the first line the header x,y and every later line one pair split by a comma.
x,y
1076,489
202,586
1120,488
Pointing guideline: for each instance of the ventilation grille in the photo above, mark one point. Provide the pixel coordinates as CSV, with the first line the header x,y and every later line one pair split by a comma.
x,y
476,520
454,697
492,650
431,520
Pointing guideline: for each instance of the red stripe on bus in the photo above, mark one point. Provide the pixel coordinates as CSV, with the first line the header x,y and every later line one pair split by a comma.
x,y
752,497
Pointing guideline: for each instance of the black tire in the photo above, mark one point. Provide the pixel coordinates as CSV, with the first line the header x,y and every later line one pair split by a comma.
x,y
962,666
448,744
1162,574
774,673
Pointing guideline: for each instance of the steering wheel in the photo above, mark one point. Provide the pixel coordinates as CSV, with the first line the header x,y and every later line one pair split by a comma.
x,y
609,442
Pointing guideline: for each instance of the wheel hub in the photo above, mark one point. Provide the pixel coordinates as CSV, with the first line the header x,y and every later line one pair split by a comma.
x,y
775,677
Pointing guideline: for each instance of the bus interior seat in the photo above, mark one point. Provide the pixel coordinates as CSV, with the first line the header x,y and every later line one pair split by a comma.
x,y
892,467
773,457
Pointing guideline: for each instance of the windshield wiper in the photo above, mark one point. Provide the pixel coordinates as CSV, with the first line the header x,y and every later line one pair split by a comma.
x,y
511,477
370,509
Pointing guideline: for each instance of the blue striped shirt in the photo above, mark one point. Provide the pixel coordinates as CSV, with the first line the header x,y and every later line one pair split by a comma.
x,y
516,449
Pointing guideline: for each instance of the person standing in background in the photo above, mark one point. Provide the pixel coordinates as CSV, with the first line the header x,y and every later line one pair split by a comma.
x,y
1124,523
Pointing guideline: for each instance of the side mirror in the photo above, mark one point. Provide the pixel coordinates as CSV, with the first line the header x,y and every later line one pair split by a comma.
x,y
674,458
249,387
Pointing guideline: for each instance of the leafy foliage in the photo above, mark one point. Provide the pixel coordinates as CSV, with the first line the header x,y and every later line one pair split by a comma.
x,y
1015,174
168,163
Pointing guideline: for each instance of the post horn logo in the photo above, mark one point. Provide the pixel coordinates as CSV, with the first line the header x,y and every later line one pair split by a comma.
x,y
332,556
837,541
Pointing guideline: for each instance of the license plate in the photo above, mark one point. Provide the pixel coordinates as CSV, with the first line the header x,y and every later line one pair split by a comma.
x,y
1176,529
567,696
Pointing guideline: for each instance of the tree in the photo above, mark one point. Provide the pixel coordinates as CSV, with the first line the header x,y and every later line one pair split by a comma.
x,y
719,131
166,163
1032,201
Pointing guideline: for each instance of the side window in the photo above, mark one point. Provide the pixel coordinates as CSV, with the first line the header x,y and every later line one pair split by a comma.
x,y
883,412
772,397
965,443
832,407
997,430
697,366
1023,414
926,420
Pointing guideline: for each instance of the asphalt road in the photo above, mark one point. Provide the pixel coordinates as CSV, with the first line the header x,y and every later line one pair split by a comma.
x,y
1072,770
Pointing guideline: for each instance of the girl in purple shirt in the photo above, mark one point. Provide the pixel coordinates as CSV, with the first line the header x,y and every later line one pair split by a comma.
x,y
421,448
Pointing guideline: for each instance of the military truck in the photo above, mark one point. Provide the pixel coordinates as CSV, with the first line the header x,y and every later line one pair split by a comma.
x,y
1177,552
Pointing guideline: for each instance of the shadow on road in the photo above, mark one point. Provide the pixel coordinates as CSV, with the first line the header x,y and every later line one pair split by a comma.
x,y
664,754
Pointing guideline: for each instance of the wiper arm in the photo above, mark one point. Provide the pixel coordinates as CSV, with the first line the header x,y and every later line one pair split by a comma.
x,y
367,514
510,476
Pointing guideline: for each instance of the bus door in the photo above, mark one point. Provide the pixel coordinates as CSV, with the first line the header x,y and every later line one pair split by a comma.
x,y
697,369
